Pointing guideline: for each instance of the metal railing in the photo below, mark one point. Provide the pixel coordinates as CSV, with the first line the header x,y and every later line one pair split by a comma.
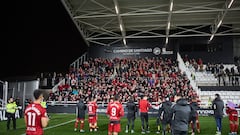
x,y
79,61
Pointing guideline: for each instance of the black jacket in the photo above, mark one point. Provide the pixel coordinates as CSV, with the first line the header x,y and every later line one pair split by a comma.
x,y
131,107
165,111
180,115
194,107
81,108
217,106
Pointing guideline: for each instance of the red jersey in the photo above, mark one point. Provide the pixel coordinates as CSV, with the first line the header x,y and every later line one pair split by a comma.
x,y
144,106
115,111
92,108
232,113
33,114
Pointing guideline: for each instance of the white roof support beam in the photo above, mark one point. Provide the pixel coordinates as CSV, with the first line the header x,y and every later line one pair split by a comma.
x,y
169,21
99,28
202,6
101,5
162,36
120,21
96,42
190,30
219,19
145,31
150,9
154,13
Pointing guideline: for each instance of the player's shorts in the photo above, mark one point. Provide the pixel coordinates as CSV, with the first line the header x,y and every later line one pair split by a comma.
x,y
92,119
233,117
114,127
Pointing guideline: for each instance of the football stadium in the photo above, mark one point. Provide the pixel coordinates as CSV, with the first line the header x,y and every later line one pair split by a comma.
x,y
169,67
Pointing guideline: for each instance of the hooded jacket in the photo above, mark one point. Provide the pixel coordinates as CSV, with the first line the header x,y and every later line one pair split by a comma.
x,y
217,106
180,115
165,111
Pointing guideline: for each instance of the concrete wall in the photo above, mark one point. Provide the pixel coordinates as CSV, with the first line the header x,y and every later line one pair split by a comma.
x,y
236,46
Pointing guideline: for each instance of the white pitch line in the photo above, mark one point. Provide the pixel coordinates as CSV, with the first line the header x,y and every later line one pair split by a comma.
x,y
58,125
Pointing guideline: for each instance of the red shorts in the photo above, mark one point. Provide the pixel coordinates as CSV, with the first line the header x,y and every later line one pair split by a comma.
x,y
233,118
114,127
92,119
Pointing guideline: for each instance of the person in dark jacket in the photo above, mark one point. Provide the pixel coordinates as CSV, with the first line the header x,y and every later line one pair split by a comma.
x,y
81,108
217,106
180,113
165,112
194,114
132,109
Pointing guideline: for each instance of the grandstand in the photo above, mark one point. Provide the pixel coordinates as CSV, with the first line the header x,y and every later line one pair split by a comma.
x,y
157,48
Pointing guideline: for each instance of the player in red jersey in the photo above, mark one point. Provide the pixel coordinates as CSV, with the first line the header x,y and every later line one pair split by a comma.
x,y
35,115
115,112
144,106
92,114
233,117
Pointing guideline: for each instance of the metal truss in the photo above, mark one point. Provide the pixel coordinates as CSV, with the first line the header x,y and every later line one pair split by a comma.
x,y
219,19
80,28
120,21
169,21
112,21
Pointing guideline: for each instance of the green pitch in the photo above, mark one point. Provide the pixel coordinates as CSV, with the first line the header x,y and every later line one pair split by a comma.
x,y
63,124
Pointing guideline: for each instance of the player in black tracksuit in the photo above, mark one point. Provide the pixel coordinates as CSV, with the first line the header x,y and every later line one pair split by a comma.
x,y
81,108
132,108
165,114
194,114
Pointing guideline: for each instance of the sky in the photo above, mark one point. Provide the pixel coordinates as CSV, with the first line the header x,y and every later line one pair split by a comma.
x,y
41,37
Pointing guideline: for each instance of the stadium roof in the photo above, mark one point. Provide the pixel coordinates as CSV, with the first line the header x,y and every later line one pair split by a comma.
x,y
106,22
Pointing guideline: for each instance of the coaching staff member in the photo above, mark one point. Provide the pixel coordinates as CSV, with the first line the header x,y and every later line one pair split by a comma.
x,y
180,115
217,106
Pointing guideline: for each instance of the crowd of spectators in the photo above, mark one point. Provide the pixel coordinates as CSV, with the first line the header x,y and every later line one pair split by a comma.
x,y
48,79
226,75
103,78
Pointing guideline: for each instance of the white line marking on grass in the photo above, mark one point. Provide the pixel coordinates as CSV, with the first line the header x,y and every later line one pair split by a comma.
x,y
58,125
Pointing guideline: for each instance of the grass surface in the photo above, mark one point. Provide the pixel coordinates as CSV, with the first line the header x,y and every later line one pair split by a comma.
x,y
61,124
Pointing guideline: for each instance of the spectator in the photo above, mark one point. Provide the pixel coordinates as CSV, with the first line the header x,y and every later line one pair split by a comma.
x,y
232,75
